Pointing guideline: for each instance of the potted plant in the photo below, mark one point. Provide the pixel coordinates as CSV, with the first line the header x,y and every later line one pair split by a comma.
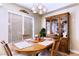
x,y
42,32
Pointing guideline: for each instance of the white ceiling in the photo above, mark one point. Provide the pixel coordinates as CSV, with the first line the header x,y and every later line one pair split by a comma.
x,y
49,6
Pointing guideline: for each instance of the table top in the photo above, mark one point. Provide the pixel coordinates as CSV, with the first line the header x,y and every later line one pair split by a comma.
x,y
35,48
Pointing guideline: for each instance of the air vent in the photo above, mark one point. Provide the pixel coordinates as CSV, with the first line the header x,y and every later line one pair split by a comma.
x,y
24,11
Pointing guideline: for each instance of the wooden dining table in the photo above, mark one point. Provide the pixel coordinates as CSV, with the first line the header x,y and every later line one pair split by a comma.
x,y
35,49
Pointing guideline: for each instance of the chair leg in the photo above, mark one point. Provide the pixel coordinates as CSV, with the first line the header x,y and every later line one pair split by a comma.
x,y
53,53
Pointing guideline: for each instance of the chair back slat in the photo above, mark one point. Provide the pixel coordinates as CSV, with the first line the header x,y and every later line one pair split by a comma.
x,y
55,47
7,49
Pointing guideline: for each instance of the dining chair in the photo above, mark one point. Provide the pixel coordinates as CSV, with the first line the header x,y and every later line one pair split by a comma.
x,y
2,50
53,50
55,47
7,49
9,52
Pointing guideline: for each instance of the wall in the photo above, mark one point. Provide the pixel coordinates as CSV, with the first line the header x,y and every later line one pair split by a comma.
x,y
3,22
74,22
37,23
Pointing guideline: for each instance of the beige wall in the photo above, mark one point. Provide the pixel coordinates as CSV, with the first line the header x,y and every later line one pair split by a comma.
x,y
3,22
74,25
14,7
37,23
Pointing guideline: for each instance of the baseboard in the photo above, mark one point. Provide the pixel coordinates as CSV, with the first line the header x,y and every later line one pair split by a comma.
x,y
74,51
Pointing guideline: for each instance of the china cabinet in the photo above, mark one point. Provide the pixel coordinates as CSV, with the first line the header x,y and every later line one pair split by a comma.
x,y
58,26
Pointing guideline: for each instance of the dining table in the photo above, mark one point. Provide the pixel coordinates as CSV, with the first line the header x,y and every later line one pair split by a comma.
x,y
35,46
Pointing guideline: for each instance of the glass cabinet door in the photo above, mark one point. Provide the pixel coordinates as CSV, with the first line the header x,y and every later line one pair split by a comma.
x,y
54,27
48,26
64,25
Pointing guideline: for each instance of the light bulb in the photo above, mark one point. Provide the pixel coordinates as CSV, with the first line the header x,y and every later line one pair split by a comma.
x,y
40,12
33,8
44,9
34,11
40,6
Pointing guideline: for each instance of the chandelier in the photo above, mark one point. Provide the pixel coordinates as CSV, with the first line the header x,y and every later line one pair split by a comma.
x,y
39,8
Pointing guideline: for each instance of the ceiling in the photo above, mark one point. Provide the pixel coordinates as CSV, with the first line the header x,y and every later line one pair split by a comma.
x,y
50,6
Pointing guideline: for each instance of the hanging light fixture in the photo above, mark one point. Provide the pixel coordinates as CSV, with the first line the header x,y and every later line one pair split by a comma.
x,y
39,8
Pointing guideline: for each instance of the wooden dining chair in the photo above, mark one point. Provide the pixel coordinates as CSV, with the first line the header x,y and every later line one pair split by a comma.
x,y
52,51
55,47
7,49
